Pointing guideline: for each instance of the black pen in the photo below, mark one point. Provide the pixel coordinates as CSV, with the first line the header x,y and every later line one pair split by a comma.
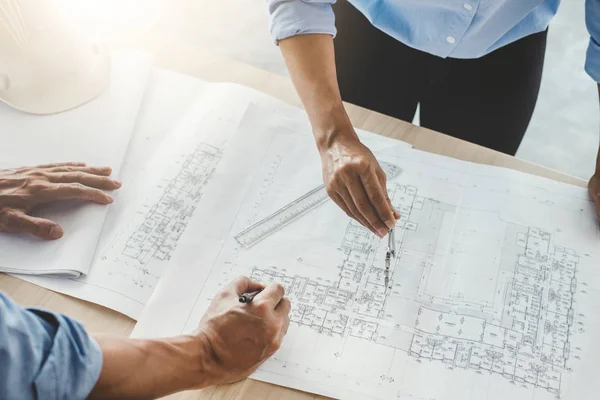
x,y
247,297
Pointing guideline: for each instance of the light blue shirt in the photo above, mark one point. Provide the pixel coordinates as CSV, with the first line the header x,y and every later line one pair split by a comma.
x,y
445,28
44,355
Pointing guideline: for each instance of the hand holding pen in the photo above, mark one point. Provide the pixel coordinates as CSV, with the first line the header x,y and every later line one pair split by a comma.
x,y
248,297
242,336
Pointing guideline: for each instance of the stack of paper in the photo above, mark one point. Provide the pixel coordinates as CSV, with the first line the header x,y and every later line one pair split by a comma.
x,y
494,291
96,133
115,255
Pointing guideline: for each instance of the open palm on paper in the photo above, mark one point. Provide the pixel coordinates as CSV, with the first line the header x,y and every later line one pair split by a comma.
x,y
22,189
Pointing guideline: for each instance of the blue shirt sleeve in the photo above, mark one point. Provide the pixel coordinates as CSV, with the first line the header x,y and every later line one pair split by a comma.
x,y
300,17
44,355
592,19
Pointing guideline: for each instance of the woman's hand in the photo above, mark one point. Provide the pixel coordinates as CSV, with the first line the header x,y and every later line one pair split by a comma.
x,y
352,175
357,184
24,188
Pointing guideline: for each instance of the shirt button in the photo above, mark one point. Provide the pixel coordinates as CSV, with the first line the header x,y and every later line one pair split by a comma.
x,y
467,7
450,39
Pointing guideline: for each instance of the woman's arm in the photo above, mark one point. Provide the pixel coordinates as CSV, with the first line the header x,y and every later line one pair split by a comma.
x,y
354,179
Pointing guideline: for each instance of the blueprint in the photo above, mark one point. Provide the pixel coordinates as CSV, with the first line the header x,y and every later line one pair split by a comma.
x,y
166,174
494,289
97,133
163,184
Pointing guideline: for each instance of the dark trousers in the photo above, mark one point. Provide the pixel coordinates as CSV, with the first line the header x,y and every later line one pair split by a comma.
x,y
488,101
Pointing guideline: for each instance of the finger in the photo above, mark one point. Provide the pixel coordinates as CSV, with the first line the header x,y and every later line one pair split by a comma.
x,y
394,211
337,199
272,294
102,171
60,164
284,307
284,327
365,208
73,191
378,197
383,182
347,198
283,311
87,179
19,222
243,284
594,190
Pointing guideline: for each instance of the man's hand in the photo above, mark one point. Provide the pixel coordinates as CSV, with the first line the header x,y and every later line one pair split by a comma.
x,y
357,184
22,189
231,342
242,336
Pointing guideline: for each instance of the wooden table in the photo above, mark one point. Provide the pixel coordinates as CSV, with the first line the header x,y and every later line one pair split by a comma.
x,y
195,62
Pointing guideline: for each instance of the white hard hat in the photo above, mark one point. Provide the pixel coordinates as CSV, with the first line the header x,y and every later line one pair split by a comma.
x,y
47,64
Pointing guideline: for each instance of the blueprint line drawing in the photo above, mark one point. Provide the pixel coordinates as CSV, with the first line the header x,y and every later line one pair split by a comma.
x,y
154,232
524,337
166,220
492,294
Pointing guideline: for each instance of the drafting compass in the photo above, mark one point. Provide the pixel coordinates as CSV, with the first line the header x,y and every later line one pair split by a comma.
x,y
389,254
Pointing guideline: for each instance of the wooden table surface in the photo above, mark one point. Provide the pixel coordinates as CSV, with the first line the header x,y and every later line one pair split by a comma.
x,y
207,66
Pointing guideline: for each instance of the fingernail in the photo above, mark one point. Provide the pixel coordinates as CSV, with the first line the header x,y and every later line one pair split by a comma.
x,y
390,224
110,199
117,184
382,232
56,232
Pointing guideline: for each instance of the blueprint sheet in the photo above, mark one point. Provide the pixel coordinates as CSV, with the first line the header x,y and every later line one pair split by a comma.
x,y
166,173
97,133
495,290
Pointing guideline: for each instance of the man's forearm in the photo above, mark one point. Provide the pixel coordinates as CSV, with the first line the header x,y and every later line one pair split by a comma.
x,y
311,62
135,369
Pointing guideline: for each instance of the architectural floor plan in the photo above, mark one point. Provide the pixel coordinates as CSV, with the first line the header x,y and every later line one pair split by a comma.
x,y
157,226
164,182
515,322
492,293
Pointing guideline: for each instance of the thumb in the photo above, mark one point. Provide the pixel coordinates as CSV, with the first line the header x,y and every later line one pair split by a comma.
x,y
242,284
383,181
19,222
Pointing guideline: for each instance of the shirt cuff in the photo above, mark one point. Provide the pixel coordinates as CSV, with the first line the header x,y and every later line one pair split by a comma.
x,y
291,18
592,64
73,365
